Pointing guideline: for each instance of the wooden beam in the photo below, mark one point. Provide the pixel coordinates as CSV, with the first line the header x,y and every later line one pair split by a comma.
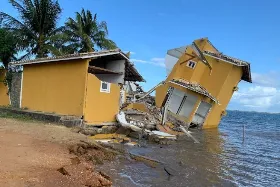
x,y
98,70
187,60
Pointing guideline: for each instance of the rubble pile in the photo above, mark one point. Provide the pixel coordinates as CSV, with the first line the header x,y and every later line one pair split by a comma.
x,y
150,103
141,119
176,123
148,100
146,122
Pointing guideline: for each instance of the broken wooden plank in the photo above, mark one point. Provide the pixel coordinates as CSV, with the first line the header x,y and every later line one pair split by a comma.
x,y
188,134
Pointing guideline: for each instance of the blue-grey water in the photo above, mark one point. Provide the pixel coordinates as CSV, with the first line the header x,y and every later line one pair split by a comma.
x,y
221,159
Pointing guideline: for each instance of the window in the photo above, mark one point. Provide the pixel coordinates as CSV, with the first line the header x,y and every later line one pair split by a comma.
x,y
105,87
191,64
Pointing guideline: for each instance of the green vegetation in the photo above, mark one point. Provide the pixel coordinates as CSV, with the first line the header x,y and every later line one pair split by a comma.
x,y
20,117
8,46
86,34
36,26
37,33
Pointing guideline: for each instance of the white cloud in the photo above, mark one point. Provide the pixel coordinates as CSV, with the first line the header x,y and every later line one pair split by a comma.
x,y
263,95
152,61
268,79
258,98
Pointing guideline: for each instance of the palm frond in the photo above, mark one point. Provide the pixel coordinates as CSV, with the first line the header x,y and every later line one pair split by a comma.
x,y
87,32
9,21
18,6
26,56
53,50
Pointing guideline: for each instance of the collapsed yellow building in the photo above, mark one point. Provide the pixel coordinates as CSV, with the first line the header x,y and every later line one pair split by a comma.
x,y
201,83
87,85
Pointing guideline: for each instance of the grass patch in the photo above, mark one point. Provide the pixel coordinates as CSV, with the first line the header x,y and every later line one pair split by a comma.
x,y
11,115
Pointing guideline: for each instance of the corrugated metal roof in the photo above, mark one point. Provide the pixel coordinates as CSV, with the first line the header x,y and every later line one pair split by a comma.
x,y
194,87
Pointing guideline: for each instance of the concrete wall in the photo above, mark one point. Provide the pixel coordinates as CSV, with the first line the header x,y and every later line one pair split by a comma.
x,y
117,66
100,107
4,97
111,78
57,87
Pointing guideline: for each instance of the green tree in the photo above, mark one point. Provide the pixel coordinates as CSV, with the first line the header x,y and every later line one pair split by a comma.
x,y
8,46
86,34
37,25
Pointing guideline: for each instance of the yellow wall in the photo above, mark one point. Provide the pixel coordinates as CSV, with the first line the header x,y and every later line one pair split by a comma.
x,y
4,97
160,94
219,82
100,107
138,106
224,97
214,82
57,87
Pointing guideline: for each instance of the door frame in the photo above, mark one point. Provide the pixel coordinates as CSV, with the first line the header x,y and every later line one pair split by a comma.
x,y
205,115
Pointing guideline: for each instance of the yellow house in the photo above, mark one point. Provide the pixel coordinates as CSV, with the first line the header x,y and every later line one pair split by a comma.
x,y
85,85
200,84
4,97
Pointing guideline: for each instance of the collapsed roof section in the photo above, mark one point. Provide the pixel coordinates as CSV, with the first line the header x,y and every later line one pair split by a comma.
x,y
195,87
131,74
246,76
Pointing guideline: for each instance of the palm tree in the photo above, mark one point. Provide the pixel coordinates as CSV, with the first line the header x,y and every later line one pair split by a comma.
x,y
37,26
8,47
86,34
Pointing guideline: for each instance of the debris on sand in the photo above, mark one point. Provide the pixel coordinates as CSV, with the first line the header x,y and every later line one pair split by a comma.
x,y
92,152
85,175
82,171
113,138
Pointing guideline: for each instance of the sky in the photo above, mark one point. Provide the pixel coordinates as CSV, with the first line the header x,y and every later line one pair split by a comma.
x,y
248,30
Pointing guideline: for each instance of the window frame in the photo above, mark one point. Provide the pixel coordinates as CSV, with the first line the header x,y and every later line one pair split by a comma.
x,y
105,90
189,62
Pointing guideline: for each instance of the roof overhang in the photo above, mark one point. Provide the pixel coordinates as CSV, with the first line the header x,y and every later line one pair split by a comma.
x,y
195,87
98,70
246,75
75,56
131,74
